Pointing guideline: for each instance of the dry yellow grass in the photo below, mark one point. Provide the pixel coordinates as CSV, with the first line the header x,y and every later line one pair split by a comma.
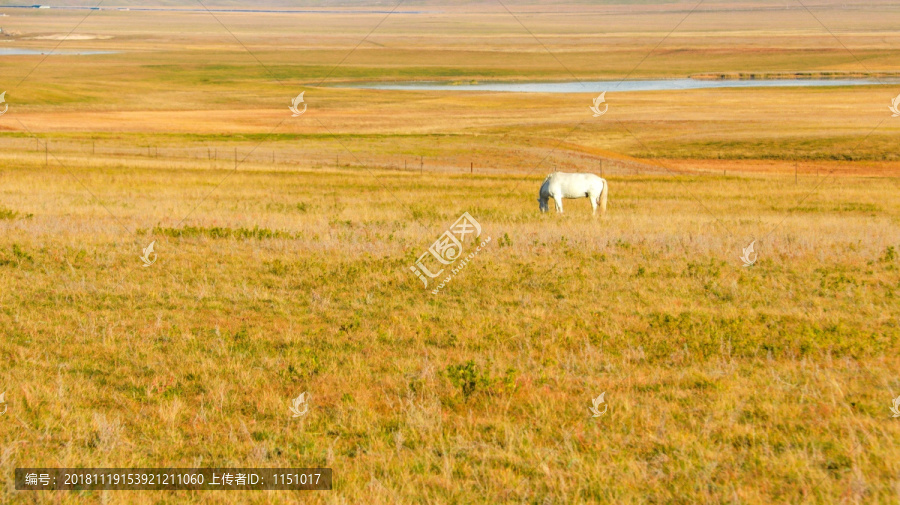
x,y
767,384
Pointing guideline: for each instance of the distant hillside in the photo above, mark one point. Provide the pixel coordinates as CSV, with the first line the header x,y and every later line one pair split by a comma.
x,y
237,4
287,4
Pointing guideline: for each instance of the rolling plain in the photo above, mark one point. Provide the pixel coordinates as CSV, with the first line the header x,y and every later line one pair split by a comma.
x,y
283,247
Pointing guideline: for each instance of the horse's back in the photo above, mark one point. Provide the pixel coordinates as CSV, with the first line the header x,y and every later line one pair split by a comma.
x,y
576,185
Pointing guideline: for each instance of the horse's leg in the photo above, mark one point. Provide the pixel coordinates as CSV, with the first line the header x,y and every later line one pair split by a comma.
x,y
558,200
593,204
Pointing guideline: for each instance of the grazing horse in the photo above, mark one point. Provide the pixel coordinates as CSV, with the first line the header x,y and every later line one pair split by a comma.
x,y
559,185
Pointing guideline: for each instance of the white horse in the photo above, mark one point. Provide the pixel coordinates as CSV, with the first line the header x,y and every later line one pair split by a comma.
x,y
559,185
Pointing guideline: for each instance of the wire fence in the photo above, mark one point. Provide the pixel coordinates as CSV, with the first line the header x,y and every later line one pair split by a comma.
x,y
49,151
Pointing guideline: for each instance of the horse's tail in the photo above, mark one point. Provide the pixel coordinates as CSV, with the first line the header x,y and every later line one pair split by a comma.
x,y
603,197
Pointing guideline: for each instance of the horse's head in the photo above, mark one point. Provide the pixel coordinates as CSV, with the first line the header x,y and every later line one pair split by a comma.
x,y
544,195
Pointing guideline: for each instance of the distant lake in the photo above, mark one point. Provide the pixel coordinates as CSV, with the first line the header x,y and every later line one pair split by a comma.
x,y
601,86
223,10
15,51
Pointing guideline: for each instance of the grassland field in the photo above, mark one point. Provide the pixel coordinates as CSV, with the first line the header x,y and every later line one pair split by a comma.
x,y
284,246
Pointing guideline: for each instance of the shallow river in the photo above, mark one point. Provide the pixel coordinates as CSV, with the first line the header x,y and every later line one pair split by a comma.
x,y
14,51
600,86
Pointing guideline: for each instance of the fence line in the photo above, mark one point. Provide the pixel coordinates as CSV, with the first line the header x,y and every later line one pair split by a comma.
x,y
218,157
